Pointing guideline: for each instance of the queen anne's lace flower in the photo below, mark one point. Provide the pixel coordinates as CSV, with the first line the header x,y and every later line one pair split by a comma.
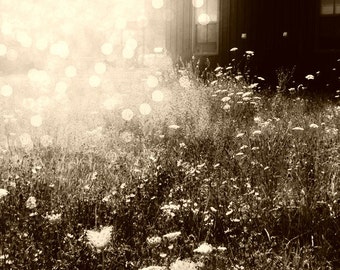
x,y
3,192
99,239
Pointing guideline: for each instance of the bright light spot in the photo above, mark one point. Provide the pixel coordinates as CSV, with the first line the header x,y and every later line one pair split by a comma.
x,y
61,88
142,21
24,39
100,68
127,114
157,96
6,28
198,3
128,53
39,76
94,81
3,49
28,103
157,3
158,50
107,48
26,141
152,81
70,71
120,24
41,44
6,90
145,109
12,55
203,19
131,43
43,102
60,49
110,103
46,140
127,136
36,120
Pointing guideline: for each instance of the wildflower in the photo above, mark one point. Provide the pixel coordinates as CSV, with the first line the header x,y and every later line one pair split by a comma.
x,y
313,126
3,192
261,78
226,107
225,99
243,147
257,132
213,209
204,248
238,77
239,154
250,52
99,239
172,236
53,217
174,127
310,77
298,129
183,264
153,268
220,248
154,240
31,202
239,135
234,49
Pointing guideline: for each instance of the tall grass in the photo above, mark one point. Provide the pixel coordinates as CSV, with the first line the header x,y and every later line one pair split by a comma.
x,y
251,180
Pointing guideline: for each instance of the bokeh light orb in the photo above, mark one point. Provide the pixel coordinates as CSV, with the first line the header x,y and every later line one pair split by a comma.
x,y
106,48
131,43
46,140
94,81
120,24
6,90
3,49
157,96
61,88
127,136
128,53
41,44
198,3
24,39
203,19
70,71
36,120
60,49
100,68
110,103
152,81
127,114
157,4
145,109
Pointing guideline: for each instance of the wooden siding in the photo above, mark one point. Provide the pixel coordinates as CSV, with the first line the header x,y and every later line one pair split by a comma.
x,y
263,21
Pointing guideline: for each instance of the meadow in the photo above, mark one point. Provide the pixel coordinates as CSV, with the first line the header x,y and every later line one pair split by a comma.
x,y
156,169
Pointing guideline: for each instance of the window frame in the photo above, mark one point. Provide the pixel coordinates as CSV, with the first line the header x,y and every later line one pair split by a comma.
x,y
334,13
194,32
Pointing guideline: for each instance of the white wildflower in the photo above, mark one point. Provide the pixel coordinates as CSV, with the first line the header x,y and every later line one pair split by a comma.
x,y
234,49
172,236
257,132
313,126
298,129
239,135
99,239
53,218
310,77
183,264
3,192
204,248
174,127
154,240
31,202
225,99
153,268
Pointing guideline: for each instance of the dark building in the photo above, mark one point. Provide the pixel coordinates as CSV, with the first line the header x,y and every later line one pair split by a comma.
x,y
286,33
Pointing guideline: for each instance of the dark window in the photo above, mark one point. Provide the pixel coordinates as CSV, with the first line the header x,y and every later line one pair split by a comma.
x,y
206,17
329,26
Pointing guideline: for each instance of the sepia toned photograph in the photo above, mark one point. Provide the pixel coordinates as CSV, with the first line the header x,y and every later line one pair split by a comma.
x,y
169,134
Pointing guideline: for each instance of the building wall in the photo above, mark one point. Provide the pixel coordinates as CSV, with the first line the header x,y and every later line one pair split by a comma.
x,y
264,22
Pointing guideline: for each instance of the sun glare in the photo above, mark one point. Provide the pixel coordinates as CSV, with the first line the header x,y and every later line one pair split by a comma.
x,y
36,120
145,109
6,90
157,96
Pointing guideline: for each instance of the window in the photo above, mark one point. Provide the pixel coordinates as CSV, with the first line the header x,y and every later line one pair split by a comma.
x,y
330,7
206,16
